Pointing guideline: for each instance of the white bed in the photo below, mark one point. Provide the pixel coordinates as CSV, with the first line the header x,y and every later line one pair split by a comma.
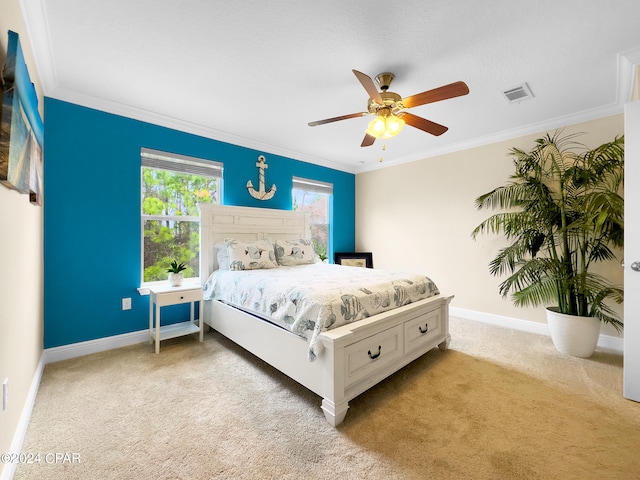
x,y
355,356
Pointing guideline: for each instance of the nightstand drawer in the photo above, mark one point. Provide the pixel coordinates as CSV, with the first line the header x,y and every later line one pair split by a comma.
x,y
174,298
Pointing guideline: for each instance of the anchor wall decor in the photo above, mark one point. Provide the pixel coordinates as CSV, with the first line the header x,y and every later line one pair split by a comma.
x,y
261,193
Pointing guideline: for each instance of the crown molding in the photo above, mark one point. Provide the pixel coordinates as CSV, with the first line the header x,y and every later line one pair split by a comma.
x,y
187,127
35,18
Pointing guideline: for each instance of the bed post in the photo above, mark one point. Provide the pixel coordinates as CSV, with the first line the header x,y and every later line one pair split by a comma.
x,y
334,413
334,404
444,308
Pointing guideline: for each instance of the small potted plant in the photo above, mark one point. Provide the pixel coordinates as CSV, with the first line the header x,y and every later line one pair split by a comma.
x,y
175,273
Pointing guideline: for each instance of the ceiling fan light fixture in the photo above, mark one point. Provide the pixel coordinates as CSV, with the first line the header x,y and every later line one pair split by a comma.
x,y
385,126
376,127
393,126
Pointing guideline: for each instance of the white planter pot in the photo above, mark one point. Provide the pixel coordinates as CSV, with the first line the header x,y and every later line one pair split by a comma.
x,y
573,335
175,279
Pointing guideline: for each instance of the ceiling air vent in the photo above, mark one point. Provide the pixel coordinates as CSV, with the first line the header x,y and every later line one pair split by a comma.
x,y
518,94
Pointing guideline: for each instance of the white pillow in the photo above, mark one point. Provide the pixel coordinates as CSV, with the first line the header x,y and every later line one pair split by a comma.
x,y
295,252
250,255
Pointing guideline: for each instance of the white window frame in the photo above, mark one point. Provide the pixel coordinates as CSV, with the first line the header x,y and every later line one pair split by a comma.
x,y
317,186
174,162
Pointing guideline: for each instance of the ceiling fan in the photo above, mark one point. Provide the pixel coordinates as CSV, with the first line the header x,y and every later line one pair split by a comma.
x,y
389,108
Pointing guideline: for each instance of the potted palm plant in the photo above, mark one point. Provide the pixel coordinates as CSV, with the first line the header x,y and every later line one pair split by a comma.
x,y
562,213
175,273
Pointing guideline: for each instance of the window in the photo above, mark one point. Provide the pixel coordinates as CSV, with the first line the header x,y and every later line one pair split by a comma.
x,y
172,187
316,198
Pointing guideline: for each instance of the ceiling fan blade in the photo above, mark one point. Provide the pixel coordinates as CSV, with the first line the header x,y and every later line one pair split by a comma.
x,y
336,119
456,89
423,124
368,140
369,86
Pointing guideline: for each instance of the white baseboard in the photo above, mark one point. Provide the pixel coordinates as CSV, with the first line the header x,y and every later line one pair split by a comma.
x,y
66,352
21,430
605,341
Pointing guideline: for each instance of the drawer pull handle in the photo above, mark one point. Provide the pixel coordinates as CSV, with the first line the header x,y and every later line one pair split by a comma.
x,y
181,298
374,356
426,327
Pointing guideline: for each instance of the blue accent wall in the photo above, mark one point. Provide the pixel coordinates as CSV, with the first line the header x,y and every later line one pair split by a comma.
x,y
92,213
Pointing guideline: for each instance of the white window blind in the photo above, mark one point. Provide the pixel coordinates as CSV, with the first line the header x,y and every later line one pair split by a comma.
x,y
180,163
312,185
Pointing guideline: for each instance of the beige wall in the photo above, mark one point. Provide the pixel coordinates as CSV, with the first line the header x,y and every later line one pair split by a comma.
x,y
21,282
419,217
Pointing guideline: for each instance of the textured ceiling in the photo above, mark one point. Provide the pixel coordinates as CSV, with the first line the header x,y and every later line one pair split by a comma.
x,y
255,73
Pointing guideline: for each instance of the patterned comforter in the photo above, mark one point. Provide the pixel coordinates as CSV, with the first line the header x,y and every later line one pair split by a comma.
x,y
310,299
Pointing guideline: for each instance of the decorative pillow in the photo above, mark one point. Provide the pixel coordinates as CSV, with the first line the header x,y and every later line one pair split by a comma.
x,y
222,256
295,252
250,255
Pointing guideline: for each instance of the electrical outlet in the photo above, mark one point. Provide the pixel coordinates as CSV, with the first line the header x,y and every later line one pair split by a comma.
x,y
5,393
126,303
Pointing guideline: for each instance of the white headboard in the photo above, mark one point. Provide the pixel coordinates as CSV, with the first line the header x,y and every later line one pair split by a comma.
x,y
218,222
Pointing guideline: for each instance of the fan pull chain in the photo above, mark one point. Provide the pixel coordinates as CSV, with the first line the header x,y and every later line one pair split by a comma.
x,y
384,147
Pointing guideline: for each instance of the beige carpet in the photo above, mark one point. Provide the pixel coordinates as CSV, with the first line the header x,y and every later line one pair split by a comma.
x,y
498,404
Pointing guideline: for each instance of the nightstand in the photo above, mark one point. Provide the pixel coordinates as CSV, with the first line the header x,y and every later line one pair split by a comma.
x,y
164,295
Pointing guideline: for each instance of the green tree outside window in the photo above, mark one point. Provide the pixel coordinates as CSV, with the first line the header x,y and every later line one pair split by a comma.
x,y
171,224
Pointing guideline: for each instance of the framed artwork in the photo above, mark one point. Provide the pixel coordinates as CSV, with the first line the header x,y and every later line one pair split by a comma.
x,y
354,259
21,128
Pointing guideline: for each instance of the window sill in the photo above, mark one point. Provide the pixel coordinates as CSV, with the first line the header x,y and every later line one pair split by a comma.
x,y
144,288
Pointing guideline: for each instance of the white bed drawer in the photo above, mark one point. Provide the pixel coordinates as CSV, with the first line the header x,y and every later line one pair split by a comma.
x,y
371,354
421,330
